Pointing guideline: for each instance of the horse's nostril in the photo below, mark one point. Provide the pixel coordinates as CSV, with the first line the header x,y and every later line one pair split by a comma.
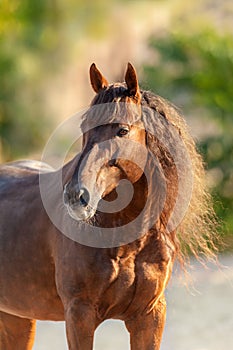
x,y
84,197
72,196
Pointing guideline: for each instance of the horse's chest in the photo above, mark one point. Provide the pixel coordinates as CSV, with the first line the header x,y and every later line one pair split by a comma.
x,y
118,289
128,285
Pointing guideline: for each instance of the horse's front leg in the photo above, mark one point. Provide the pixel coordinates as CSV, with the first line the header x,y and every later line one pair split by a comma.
x,y
146,329
80,324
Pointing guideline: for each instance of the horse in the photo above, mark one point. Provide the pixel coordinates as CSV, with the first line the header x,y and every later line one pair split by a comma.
x,y
97,238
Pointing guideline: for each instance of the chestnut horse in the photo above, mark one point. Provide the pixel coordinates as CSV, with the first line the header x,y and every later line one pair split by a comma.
x,y
103,246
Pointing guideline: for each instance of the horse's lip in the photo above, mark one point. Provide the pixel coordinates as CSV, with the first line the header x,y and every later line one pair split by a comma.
x,y
79,213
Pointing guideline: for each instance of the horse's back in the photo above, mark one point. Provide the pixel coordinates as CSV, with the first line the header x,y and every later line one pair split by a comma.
x,y
20,171
23,168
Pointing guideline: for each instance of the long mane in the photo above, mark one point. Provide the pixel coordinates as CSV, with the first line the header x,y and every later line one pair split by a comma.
x,y
196,233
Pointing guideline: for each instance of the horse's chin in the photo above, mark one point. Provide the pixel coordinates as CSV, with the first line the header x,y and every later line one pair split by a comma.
x,y
80,214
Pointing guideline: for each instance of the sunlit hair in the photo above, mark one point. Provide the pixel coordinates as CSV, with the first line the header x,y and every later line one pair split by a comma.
x,y
196,233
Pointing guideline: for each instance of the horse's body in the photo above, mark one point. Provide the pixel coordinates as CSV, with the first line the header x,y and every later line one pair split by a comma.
x,y
48,276
39,266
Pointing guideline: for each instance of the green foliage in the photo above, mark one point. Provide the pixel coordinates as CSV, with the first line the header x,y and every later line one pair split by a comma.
x,y
196,70
36,39
28,54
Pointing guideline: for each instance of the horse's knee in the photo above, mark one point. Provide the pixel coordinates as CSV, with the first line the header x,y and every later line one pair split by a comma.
x,y
81,312
146,329
80,324
16,332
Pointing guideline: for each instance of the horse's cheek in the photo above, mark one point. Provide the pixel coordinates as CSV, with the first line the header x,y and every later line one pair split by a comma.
x,y
133,171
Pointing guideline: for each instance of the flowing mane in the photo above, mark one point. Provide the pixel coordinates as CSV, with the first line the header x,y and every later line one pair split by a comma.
x,y
196,233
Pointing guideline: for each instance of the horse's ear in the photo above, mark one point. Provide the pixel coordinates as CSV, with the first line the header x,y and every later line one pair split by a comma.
x,y
98,82
132,81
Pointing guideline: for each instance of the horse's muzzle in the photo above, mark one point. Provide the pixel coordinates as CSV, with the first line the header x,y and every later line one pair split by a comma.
x,y
77,203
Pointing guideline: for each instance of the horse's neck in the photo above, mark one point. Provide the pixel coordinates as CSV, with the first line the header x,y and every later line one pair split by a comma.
x,y
149,246
131,211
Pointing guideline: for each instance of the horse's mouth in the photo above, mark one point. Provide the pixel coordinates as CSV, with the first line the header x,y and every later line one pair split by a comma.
x,y
79,213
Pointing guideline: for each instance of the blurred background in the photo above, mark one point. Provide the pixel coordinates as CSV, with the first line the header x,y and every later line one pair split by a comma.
x,y
183,50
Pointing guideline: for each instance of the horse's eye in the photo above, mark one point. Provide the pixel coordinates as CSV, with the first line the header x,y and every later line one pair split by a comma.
x,y
122,132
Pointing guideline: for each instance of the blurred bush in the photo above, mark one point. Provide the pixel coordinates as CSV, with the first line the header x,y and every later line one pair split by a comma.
x,y
25,45
37,41
195,70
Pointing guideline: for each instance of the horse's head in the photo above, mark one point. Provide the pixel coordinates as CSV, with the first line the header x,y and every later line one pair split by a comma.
x,y
135,135
113,140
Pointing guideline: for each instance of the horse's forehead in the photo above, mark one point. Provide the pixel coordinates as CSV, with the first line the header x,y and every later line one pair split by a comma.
x,y
111,113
